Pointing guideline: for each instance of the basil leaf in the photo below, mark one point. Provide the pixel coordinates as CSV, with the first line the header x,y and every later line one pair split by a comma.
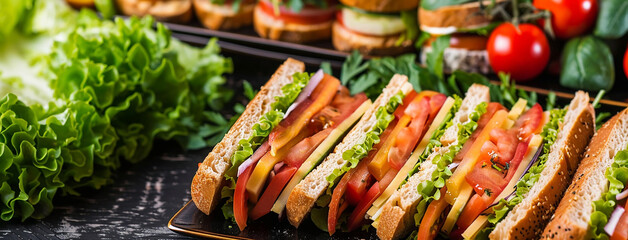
x,y
587,64
434,59
612,20
435,4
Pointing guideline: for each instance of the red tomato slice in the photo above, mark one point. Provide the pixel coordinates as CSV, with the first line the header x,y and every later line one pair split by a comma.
x,y
436,102
300,152
387,179
491,109
240,207
530,122
473,209
621,230
270,195
357,216
405,141
486,179
400,111
358,183
308,15
428,229
506,143
334,204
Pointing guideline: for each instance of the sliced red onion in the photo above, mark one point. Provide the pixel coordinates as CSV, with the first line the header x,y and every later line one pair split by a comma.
x,y
622,195
259,153
278,166
534,160
451,166
307,90
613,220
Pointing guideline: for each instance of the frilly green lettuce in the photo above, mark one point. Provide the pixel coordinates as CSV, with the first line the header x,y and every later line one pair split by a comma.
x,y
115,88
617,175
549,133
430,190
260,132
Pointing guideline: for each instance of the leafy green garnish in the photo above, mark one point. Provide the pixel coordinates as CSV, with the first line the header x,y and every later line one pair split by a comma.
x,y
435,4
115,88
549,133
617,175
259,134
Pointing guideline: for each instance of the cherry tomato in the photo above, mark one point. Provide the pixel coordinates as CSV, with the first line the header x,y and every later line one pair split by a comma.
x,y
626,63
522,51
570,18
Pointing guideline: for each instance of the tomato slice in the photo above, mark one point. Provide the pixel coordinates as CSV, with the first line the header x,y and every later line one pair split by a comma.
x,y
530,122
308,15
621,230
358,183
491,109
357,216
240,207
506,142
334,204
300,152
268,198
400,111
428,229
473,209
409,136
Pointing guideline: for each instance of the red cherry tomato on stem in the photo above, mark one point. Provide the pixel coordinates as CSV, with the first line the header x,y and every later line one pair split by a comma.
x,y
570,18
522,51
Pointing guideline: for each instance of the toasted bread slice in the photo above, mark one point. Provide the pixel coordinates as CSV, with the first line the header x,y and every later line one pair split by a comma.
x,y
302,198
571,219
346,41
223,17
269,27
397,217
460,16
390,6
177,11
527,219
208,180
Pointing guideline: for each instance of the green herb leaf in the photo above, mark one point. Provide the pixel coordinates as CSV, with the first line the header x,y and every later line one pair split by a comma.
x,y
435,4
612,20
587,63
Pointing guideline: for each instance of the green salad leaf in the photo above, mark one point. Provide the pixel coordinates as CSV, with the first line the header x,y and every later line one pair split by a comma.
x,y
617,175
436,4
260,132
96,92
549,134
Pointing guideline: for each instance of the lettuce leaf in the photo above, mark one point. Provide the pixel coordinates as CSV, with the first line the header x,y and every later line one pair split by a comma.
x,y
115,88
549,133
260,132
384,116
617,175
430,190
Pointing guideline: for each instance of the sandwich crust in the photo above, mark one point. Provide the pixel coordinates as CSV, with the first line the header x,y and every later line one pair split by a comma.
x,y
463,16
216,17
209,177
178,11
382,5
571,219
305,194
527,219
346,41
269,27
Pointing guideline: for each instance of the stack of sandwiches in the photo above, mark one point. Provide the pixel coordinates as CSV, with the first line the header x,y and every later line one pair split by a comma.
x,y
416,163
